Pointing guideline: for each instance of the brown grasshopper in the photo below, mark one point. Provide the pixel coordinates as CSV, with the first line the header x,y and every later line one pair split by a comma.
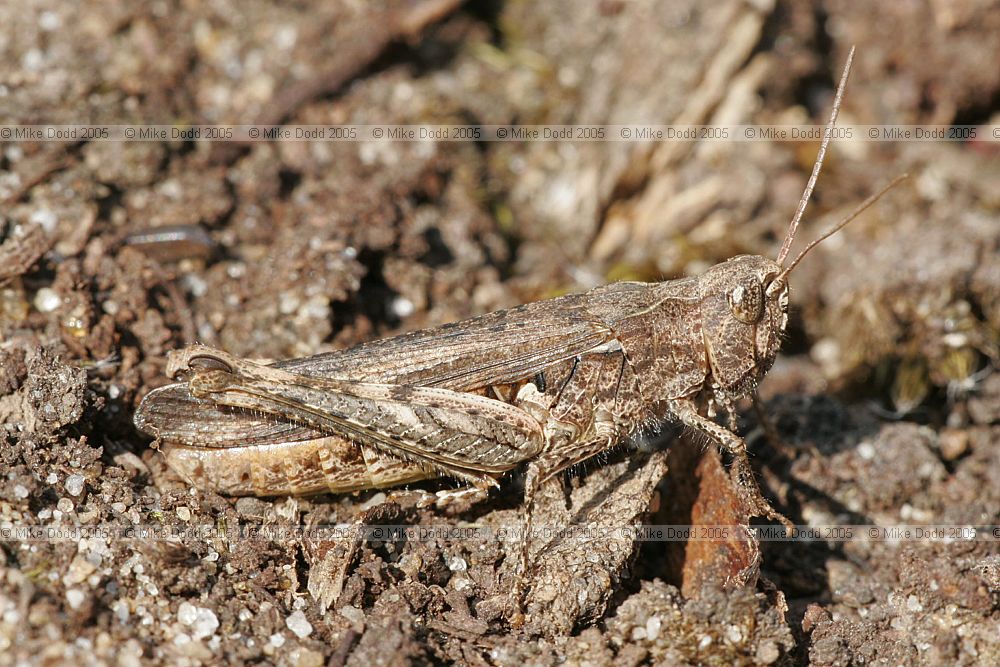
x,y
547,384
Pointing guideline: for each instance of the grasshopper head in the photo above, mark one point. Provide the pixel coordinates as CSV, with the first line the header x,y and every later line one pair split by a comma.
x,y
744,308
744,311
744,301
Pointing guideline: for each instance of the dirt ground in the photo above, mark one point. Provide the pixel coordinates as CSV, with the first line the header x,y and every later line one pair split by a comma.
x,y
885,399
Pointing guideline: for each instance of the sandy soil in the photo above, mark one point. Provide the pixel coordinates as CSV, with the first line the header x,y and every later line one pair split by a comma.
x,y
885,401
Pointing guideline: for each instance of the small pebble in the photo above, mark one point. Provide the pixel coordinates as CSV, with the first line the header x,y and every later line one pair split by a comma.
x,y
46,218
74,484
64,505
75,598
277,640
186,613
299,624
953,444
866,451
49,21
205,624
304,657
653,625
768,653
47,300
20,492
183,513
402,307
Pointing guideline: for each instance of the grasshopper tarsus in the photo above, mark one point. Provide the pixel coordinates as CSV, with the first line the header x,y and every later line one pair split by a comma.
x,y
756,504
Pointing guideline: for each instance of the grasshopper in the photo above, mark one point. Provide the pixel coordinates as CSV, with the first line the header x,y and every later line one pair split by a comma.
x,y
548,384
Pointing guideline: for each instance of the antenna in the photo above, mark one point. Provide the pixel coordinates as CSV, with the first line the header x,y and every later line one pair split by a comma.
x,y
807,193
840,225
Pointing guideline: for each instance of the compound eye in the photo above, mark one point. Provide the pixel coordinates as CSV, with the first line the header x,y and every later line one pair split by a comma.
x,y
746,300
